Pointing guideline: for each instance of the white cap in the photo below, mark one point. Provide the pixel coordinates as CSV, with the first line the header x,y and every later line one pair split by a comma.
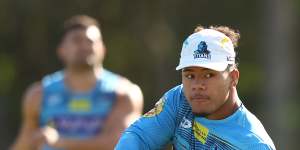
x,y
207,48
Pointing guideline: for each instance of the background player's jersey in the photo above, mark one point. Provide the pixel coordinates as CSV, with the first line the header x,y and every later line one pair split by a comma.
x,y
172,121
73,114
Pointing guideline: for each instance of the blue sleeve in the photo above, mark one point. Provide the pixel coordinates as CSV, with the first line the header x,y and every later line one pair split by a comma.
x,y
155,129
131,141
260,146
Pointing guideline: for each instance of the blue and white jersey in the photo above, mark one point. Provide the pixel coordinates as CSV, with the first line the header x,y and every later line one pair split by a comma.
x,y
172,121
77,115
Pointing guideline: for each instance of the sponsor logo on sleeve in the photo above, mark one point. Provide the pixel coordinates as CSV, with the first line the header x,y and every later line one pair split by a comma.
x,y
157,108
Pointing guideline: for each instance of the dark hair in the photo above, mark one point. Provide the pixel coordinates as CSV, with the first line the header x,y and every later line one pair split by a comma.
x,y
79,22
234,36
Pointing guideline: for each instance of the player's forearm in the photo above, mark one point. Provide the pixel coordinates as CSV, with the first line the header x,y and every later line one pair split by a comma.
x,y
103,143
25,142
20,146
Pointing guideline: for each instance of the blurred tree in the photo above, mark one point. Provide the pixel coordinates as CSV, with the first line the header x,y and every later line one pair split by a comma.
x,y
278,58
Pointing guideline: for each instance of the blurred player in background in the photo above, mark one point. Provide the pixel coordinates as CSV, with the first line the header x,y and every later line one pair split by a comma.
x,y
83,106
204,112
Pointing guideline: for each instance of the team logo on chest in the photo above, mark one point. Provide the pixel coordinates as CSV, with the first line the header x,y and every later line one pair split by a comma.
x,y
79,105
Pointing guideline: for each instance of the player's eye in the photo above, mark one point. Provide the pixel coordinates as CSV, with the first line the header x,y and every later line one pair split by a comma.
x,y
208,75
189,76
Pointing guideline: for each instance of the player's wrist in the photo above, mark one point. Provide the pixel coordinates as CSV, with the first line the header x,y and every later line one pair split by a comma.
x,y
60,143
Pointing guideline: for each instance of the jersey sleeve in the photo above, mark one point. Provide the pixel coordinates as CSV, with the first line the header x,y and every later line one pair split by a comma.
x,y
155,128
261,146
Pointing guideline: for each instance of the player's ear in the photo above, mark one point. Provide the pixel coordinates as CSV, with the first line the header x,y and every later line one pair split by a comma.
x,y
102,50
60,51
235,75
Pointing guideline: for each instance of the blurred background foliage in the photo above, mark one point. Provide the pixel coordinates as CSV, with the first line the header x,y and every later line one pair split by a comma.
x,y
144,38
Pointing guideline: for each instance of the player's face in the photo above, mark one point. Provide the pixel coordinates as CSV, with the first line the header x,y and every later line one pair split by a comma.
x,y
82,48
206,90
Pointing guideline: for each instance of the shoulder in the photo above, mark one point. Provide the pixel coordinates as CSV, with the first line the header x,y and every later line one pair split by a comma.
x,y
261,146
174,96
52,78
32,98
124,88
128,90
33,92
251,122
129,104
176,91
256,130
171,101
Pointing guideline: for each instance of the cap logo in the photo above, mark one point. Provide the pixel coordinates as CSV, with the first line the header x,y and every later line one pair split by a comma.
x,y
202,51
230,58
223,41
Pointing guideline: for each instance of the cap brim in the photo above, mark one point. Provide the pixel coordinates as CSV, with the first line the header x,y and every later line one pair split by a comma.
x,y
212,66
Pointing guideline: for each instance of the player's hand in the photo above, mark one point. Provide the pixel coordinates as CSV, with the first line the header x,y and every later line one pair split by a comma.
x,y
38,139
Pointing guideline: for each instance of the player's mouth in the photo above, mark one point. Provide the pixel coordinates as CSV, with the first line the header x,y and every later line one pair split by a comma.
x,y
85,52
200,98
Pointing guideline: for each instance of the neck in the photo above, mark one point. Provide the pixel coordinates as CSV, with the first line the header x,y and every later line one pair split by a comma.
x,y
228,108
82,80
